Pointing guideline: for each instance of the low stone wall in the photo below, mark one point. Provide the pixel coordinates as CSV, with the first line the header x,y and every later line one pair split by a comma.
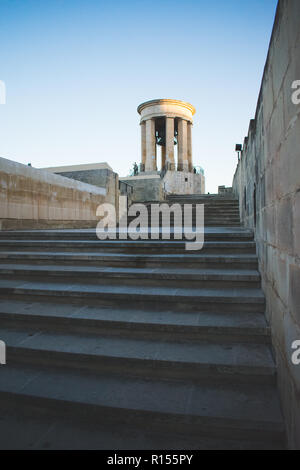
x,y
32,198
96,174
267,181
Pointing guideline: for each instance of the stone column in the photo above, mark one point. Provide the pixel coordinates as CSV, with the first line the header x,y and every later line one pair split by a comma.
x,y
182,164
163,157
189,146
170,162
150,146
143,145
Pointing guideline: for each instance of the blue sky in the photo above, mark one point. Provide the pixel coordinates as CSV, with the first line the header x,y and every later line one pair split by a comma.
x,y
76,70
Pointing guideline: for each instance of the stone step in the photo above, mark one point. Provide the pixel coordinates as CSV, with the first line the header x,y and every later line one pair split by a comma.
x,y
231,221
119,245
49,432
207,204
147,358
220,215
241,411
226,222
188,259
210,208
211,234
234,299
82,317
220,209
192,278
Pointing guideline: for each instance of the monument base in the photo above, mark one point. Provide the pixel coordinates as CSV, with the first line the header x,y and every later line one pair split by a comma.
x,y
152,187
183,182
146,187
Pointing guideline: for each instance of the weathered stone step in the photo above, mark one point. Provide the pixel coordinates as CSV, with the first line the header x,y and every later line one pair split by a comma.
x,y
126,245
231,362
208,222
188,260
60,433
211,205
192,278
240,411
211,234
243,299
224,327
211,209
212,222
219,216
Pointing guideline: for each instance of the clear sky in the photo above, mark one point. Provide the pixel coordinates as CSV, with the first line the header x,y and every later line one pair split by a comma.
x,y
76,70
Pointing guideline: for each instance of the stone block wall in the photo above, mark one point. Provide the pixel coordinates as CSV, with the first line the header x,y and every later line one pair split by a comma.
x,y
32,198
103,178
267,181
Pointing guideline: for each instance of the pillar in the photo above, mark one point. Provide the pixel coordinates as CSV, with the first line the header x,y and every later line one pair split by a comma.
x,y
189,146
182,164
170,162
150,146
143,145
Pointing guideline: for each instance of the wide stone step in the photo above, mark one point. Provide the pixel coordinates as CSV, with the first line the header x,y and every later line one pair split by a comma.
x,y
61,433
234,299
208,221
187,260
240,411
221,215
126,245
193,278
231,362
212,205
211,234
208,209
134,322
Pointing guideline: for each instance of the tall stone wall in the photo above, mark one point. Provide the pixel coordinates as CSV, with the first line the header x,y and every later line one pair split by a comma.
x,y
32,198
267,181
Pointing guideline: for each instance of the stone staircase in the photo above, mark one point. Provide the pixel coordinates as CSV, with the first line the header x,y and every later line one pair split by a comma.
x,y
123,344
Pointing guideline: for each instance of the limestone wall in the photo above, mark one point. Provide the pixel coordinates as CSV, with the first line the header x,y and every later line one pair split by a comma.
x,y
97,174
267,181
32,198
